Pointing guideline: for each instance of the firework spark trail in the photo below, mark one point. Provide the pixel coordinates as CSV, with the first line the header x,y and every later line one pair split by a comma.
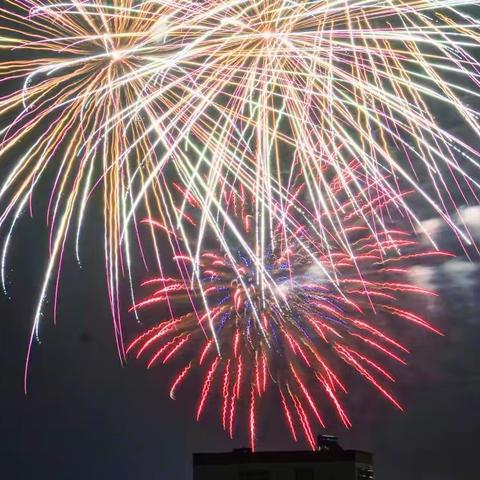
x,y
308,325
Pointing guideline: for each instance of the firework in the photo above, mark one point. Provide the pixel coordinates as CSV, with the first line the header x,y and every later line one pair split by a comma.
x,y
287,323
257,87
76,64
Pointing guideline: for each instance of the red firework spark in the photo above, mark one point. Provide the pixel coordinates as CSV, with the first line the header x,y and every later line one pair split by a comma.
x,y
287,323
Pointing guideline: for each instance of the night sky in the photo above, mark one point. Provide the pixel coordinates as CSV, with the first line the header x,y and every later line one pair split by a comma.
x,y
87,416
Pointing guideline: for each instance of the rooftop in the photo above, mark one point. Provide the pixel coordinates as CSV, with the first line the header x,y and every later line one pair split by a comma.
x,y
246,456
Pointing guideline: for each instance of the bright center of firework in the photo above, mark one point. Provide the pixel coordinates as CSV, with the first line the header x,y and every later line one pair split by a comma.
x,y
116,55
267,35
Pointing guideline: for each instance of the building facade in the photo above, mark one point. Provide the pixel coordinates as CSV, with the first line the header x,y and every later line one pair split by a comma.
x,y
329,462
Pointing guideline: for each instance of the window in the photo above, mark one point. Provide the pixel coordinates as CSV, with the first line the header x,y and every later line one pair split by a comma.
x,y
365,473
254,475
304,474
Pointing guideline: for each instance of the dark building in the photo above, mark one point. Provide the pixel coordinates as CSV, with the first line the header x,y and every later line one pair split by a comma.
x,y
329,462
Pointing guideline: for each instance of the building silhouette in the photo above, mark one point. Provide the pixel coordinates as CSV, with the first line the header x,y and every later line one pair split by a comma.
x,y
329,462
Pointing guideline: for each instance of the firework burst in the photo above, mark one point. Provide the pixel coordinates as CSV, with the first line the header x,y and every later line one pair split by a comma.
x,y
258,87
76,64
287,323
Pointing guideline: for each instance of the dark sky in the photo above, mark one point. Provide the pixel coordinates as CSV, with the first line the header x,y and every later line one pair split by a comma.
x,y
87,417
